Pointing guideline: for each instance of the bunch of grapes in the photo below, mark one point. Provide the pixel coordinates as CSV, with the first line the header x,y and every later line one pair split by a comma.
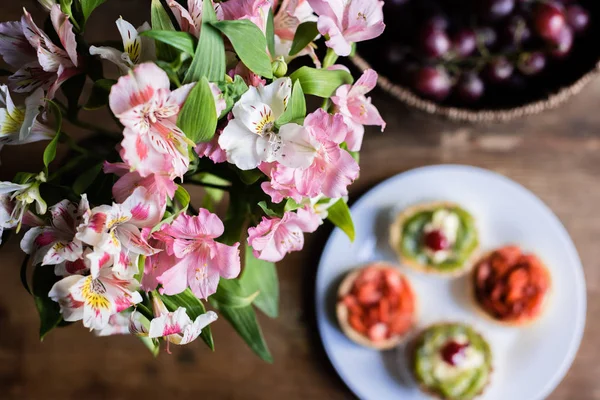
x,y
457,50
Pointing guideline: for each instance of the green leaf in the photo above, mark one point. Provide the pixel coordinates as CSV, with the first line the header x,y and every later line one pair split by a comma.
x,y
249,44
232,91
193,307
66,8
261,276
72,89
235,220
296,107
250,176
321,82
339,215
305,34
270,33
291,205
49,311
23,273
99,95
268,212
50,151
162,22
198,117
84,180
209,60
246,325
88,6
182,41
182,196
231,294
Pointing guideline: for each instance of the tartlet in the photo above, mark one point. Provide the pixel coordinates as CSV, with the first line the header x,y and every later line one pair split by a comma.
x,y
376,306
438,237
510,286
451,361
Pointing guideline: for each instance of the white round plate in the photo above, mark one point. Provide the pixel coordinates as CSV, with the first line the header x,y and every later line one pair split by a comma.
x,y
529,362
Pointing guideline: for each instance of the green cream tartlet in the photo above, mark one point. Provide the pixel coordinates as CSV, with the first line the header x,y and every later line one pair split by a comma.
x,y
451,361
439,237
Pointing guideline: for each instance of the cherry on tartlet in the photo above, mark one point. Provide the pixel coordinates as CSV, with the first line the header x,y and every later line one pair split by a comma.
x,y
376,306
451,361
438,237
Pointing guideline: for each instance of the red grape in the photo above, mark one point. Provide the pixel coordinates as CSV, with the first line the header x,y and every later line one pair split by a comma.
x,y
564,43
500,69
496,9
549,21
433,83
578,18
470,88
464,42
531,63
437,22
434,42
487,36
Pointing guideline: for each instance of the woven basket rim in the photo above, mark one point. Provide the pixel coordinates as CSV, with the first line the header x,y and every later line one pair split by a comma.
x,y
461,114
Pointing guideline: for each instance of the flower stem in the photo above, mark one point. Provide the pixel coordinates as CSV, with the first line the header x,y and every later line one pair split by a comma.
x,y
145,311
330,58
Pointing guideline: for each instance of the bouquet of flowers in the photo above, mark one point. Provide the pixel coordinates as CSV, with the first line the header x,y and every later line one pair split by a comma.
x,y
111,236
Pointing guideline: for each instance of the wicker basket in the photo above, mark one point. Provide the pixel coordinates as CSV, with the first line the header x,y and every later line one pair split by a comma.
x,y
461,114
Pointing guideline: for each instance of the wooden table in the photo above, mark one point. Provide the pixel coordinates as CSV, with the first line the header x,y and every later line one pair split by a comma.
x,y
554,154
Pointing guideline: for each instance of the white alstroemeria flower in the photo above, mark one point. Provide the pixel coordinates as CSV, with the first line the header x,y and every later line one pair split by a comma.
x,y
118,324
176,327
20,197
250,137
115,230
19,124
137,48
94,300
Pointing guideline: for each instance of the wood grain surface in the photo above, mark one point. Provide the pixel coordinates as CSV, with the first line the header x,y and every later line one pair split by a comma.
x,y
555,154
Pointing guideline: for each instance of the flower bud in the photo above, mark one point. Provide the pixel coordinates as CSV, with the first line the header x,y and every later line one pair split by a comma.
x,y
279,67
47,4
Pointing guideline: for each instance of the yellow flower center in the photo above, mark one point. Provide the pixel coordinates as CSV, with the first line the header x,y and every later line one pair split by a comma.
x,y
93,294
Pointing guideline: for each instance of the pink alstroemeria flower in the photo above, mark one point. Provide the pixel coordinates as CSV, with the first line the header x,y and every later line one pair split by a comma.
x,y
290,14
273,238
256,11
43,64
56,243
348,21
159,188
157,264
350,101
148,109
202,260
332,168
115,230
94,300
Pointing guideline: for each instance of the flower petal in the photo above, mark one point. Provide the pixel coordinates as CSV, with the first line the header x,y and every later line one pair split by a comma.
x,y
240,145
137,88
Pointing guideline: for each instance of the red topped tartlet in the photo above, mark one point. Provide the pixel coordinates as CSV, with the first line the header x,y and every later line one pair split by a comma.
x,y
511,286
376,306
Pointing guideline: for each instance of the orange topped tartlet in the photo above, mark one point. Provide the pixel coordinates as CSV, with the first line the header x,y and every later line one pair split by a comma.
x,y
511,286
376,306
